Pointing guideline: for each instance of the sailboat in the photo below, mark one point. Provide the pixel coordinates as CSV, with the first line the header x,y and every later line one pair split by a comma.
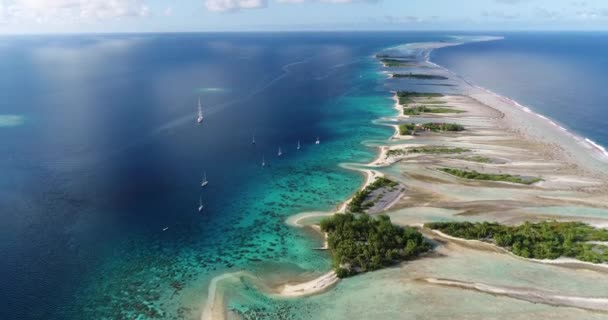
x,y
280,153
263,161
205,182
253,140
200,204
318,141
200,112
299,146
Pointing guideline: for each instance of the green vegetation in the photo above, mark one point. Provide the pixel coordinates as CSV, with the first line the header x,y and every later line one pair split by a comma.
x,y
429,150
412,128
437,150
407,129
474,175
414,111
436,126
546,240
388,56
396,152
479,159
363,243
419,76
407,97
359,204
397,62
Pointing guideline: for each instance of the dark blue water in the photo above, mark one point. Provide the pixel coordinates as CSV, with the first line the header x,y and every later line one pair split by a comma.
x,y
560,75
100,152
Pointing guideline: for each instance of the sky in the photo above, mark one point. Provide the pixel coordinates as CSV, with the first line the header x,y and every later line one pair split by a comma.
x,y
109,16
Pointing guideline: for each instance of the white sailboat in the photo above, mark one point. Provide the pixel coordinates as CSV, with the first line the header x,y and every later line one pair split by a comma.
x,y
205,182
318,141
200,204
200,112
299,146
280,153
263,161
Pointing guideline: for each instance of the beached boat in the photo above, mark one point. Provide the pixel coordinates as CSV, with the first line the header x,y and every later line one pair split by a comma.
x,y
200,112
205,182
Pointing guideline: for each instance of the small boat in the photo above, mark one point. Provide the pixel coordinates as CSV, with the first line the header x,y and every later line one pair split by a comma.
x,y
299,145
200,204
205,182
200,112
263,162
253,140
318,141
280,153
165,228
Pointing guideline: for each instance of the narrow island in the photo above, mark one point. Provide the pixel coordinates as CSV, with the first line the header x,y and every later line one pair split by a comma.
x,y
426,150
545,240
416,111
413,128
395,63
364,243
406,97
478,159
474,175
369,196
418,76
388,56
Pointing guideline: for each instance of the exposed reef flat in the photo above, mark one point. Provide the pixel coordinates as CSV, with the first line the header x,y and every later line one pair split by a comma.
x,y
463,279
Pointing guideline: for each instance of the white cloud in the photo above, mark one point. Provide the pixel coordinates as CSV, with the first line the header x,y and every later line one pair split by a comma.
x,y
592,14
546,13
327,1
46,10
234,5
402,19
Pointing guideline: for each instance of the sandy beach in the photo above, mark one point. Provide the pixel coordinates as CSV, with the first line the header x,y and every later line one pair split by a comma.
x,y
314,286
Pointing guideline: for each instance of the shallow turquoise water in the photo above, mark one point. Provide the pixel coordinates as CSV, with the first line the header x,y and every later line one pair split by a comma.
x,y
99,195
255,237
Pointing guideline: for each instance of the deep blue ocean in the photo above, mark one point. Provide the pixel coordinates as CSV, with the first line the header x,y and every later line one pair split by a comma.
x,y
101,156
560,75
102,161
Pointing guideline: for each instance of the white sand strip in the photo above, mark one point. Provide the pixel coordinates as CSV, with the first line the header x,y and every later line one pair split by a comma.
x,y
529,294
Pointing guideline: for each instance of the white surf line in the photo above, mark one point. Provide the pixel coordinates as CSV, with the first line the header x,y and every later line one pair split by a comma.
x,y
601,150
528,294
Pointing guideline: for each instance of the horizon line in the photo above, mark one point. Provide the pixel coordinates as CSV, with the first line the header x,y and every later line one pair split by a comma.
x,y
308,31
